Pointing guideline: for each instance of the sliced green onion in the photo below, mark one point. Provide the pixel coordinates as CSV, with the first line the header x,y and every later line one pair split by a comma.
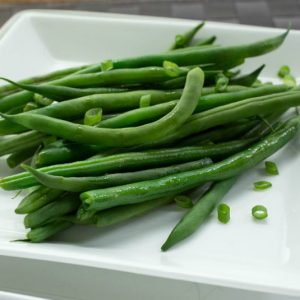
x,y
283,71
145,101
259,212
271,168
30,106
262,185
93,116
289,80
183,201
223,213
107,65
41,100
171,68
221,83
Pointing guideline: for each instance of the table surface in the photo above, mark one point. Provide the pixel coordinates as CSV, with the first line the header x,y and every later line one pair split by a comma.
x,y
272,13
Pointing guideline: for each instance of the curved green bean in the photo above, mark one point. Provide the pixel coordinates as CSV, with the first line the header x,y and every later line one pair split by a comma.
x,y
124,136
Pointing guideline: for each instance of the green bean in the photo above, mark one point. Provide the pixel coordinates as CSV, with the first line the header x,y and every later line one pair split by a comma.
x,y
108,102
220,134
127,161
231,112
119,77
196,216
100,199
265,126
183,40
248,79
179,82
61,93
64,153
79,184
20,156
123,136
16,110
42,78
23,141
207,41
141,116
198,55
37,199
42,233
67,203
120,214
10,101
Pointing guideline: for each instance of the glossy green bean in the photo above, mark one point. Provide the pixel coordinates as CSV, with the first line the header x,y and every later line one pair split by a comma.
x,y
67,203
100,199
79,184
196,216
127,162
123,136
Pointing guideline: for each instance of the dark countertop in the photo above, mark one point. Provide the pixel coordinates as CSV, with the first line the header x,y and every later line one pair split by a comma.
x,y
273,13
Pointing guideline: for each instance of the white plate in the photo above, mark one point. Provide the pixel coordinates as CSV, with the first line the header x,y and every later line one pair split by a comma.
x,y
260,256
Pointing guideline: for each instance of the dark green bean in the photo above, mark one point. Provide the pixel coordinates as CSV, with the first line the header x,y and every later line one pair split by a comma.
x,y
128,162
19,157
79,184
220,134
19,142
100,199
67,203
37,199
183,40
207,41
196,216
123,136
248,79
42,233
120,214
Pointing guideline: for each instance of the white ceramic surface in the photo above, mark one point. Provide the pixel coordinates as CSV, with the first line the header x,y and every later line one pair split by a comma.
x,y
262,256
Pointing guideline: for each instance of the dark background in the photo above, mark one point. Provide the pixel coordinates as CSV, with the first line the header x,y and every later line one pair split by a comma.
x,y
273,13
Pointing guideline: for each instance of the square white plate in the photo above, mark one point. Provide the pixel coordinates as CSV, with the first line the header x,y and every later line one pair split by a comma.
x,y
260,256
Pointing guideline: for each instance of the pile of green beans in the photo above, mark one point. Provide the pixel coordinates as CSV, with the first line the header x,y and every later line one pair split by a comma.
x,y
107,142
